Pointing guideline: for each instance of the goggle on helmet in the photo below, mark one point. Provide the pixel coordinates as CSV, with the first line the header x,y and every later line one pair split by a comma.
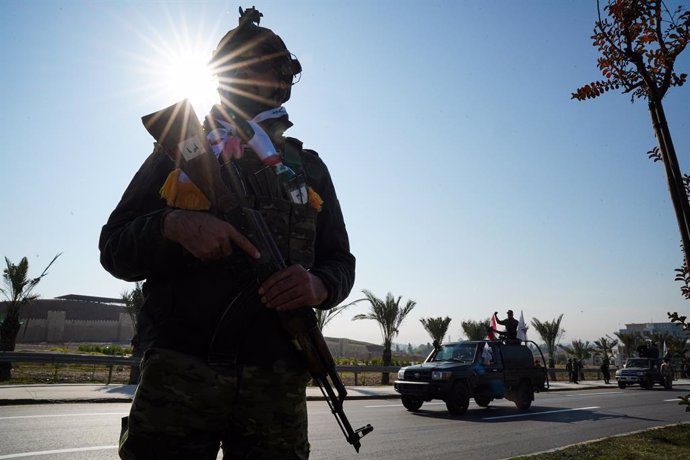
x,y
249,46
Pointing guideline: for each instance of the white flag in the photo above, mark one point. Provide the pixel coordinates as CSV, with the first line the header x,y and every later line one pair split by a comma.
x,y
522,328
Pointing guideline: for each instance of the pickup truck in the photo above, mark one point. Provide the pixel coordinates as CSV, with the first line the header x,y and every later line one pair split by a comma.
x,y
484,370
644,372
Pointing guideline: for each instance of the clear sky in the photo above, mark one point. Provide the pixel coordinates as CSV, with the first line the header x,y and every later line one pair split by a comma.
x,y
469,179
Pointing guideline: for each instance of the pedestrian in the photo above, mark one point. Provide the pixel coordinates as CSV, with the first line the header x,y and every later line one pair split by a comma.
x,y
510,324
576,370
605,369
249,397
569,369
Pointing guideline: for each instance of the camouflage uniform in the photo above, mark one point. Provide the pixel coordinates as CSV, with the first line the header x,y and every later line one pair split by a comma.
x,y
184,409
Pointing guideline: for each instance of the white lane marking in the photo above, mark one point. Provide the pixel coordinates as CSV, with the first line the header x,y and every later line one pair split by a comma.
x,y
57,451
62,415
608,393
529,414
400,405
672,400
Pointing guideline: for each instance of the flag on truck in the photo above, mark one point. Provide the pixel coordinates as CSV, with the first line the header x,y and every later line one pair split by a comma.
x,y
522,328
492,328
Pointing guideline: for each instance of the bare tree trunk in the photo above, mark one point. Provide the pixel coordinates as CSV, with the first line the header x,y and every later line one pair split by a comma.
x,y
674,177
387,358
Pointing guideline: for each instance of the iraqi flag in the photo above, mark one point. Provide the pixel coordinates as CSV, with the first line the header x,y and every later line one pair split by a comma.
x,y
492,328
522,328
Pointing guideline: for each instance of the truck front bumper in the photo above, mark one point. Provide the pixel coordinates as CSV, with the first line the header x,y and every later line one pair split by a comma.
x,y
424,390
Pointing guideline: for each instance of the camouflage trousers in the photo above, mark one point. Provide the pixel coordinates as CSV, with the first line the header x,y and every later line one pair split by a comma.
x,y
184,409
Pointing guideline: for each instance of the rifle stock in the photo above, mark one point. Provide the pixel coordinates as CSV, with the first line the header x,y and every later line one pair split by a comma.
x,y
179,132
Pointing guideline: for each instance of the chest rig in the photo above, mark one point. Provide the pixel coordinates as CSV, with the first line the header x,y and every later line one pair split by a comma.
x,y
292,225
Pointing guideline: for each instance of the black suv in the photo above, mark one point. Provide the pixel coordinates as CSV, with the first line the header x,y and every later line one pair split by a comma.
x,y
643,371
484,370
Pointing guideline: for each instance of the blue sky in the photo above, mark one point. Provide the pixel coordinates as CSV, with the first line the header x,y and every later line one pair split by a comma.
x,y
469,179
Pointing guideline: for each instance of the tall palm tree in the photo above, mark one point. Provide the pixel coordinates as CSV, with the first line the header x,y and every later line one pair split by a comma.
x,y
630,342
550,332
18,291
436,327
475,330
389,314
605,345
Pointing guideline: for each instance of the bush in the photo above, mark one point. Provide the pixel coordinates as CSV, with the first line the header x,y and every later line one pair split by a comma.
x,y
111,350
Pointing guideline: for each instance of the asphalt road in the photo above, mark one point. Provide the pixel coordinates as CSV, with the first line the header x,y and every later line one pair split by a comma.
x,y
89,431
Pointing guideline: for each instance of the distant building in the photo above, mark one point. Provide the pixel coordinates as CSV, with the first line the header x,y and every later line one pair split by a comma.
x,y
74,318
78,318
649,329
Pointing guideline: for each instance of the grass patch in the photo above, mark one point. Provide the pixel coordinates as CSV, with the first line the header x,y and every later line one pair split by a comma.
x,y
654,444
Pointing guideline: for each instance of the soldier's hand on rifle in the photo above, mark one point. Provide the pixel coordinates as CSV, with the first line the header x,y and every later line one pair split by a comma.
x,y
205,236
292,288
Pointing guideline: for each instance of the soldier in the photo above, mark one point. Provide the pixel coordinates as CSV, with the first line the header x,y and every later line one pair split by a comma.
x,y
510,324
605,369
253,404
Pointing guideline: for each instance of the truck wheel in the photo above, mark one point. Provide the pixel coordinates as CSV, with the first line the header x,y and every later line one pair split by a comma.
x,y
647,384
458,399
621,385
411,403
482,401
525,396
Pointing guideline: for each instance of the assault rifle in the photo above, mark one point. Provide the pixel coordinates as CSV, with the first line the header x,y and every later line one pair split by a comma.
x,y
178,131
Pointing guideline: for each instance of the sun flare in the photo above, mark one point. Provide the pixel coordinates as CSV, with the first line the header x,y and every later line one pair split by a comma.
x,y
187,75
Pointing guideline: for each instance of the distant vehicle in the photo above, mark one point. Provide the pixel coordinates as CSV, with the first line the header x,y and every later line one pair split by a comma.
x,y
484,370
644,372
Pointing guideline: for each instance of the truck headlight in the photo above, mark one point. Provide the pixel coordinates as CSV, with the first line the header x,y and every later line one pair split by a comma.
x,y
401,374
440,375
640,374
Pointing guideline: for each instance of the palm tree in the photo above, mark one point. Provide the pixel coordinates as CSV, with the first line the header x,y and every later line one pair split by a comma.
x,y
323,317
389,314
134,301
630,342
436,327
19,292
579,349
550,332
605,345
475,330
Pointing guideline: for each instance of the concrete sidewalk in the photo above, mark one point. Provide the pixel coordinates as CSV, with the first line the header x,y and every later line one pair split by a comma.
x,y
88,393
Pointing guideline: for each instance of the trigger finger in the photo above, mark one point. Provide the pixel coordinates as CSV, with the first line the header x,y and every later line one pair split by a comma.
x,y
244,244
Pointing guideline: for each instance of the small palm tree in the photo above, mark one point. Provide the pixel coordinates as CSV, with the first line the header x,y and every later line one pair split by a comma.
x,y
475,330
605,345
436,327
323,317
134,301
630,342
389,314
19,292
550,332
579,349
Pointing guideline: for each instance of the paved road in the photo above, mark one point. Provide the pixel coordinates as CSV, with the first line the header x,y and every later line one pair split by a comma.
x,y
89,431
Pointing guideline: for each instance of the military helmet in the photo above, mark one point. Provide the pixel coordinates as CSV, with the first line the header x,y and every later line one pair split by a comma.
x,y
249,45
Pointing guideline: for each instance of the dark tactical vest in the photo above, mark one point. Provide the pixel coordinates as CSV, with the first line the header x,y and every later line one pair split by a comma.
x,y
292,225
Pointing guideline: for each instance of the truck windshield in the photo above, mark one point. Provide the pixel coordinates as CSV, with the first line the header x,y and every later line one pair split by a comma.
x,y
644,363
462,352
